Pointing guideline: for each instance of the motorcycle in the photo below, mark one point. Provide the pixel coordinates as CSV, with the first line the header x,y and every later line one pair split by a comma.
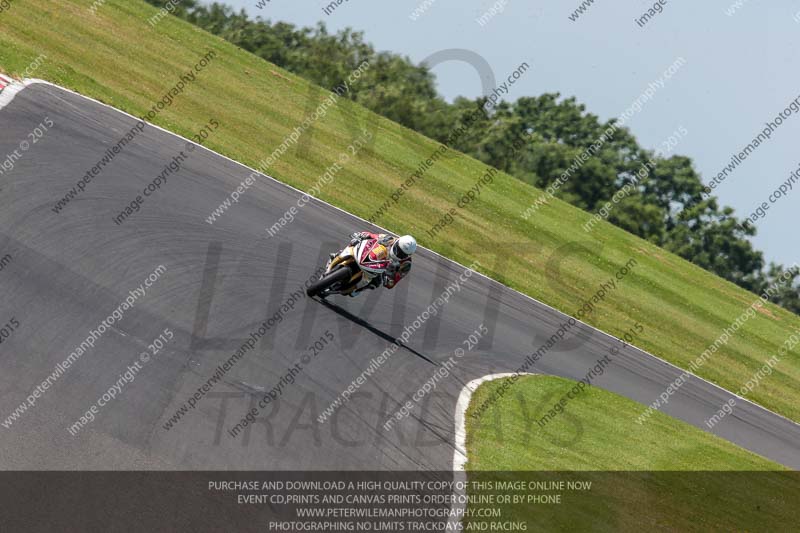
x,y
353,268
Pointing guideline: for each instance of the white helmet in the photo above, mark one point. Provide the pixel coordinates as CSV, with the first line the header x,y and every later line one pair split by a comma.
x,y
403,247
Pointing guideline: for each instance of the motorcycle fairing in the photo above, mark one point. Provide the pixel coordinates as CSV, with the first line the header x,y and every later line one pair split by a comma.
x,y
373,256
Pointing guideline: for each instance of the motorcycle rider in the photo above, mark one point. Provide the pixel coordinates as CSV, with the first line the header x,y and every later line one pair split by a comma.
x,y
400,251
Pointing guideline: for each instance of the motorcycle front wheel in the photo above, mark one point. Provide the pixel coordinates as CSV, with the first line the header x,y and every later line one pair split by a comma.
x,y
339,276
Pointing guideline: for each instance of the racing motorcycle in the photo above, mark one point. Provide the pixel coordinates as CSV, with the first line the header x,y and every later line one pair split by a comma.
x,y
353,268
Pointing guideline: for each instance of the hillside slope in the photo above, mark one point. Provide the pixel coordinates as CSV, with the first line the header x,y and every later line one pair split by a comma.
x,y
657,470
109,51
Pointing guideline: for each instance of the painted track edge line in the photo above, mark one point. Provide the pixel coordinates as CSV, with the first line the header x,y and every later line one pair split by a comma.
x,y
28,82
460,447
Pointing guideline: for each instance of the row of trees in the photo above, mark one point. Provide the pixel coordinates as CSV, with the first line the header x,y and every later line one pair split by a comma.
x,y
667,208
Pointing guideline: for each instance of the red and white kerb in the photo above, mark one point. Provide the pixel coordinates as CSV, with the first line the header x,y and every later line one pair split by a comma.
x,y
4,82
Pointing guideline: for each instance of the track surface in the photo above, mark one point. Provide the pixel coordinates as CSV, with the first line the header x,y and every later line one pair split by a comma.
x,y
70,270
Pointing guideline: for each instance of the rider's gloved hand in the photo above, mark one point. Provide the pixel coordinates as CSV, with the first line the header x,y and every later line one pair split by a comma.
x,y
356,237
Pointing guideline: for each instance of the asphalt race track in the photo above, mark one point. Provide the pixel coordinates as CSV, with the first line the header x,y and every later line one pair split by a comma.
x,y
71,270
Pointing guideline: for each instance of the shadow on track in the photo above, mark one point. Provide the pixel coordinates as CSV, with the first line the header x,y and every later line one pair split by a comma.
x,y
363,323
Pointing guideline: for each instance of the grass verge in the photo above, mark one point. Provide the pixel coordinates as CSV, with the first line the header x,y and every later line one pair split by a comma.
x,y
666,474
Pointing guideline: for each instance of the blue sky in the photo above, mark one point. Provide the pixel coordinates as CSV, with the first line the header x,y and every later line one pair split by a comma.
x,y
741,70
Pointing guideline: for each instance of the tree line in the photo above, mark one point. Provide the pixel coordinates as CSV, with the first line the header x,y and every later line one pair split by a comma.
x,y
668,207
